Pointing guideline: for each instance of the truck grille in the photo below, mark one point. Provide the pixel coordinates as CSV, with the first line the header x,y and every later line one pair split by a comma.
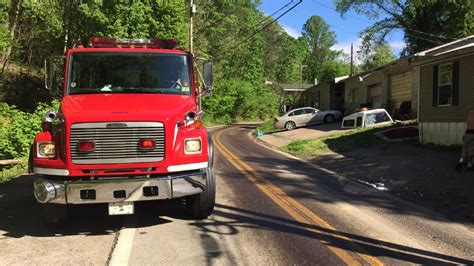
x,y
117,142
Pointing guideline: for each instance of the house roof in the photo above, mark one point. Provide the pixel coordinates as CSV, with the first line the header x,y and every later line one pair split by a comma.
x,y
295,87
449,47
368,72
458,47
341,78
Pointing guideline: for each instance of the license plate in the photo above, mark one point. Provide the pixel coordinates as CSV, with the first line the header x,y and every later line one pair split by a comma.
x,y
121,208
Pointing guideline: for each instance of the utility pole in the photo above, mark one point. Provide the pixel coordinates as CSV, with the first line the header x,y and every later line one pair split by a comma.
x,y
192,10
352,60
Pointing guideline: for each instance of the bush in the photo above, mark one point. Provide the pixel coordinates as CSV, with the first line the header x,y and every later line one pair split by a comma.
x,y
267,127
17,131
235,100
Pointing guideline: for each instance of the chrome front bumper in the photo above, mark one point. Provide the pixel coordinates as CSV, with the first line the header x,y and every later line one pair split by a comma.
x,y
119,190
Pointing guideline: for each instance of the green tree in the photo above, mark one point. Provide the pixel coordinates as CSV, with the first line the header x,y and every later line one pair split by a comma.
x,y
4,36
320,39
426,23
381,55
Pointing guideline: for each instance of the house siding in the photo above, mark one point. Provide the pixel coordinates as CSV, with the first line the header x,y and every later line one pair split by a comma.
x,y
310,95
457,113
442,133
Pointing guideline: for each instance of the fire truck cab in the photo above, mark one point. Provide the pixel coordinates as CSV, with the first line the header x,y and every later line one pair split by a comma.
x,y
128,129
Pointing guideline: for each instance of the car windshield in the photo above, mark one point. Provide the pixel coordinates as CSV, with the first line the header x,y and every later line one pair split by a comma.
x,y
129,73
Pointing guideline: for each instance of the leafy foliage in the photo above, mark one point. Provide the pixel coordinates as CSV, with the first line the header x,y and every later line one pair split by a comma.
x,y
323,63
18,128
266,127
234,100
425,23
381,55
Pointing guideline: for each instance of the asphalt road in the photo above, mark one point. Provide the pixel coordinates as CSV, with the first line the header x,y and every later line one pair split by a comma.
x,y
271,209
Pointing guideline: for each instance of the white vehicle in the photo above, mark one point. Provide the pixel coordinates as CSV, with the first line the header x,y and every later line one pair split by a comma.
x,y
306,116
369,118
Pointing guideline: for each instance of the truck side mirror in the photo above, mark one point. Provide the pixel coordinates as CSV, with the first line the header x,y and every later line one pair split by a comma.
x,y
207,79
54,75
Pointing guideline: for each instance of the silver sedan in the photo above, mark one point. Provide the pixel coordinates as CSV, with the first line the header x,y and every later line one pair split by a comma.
x,y
306,116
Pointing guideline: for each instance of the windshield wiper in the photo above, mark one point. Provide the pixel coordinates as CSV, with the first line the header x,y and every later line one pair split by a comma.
x,y
88,92
141,90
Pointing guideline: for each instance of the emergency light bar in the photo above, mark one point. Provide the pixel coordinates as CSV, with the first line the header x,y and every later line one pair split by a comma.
x,y
103,42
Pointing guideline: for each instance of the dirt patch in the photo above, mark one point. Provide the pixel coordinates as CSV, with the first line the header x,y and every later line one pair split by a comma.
x,y
412,172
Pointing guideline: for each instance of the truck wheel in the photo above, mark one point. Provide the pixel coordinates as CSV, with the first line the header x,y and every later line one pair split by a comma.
x,y
54,214
30,161
200,206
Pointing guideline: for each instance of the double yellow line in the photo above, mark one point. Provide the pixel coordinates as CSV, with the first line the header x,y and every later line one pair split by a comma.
x,y
295,209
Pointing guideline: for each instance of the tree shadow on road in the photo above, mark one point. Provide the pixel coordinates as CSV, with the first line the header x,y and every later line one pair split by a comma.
x,y
233,219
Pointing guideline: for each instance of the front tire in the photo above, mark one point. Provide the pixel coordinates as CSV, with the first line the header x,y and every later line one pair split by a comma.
x,y
55,214
200,206
30,161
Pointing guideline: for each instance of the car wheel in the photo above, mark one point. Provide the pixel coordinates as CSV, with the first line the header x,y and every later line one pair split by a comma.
x,y
328,119
290,125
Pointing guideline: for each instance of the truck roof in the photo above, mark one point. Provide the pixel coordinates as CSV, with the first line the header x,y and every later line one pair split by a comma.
x,y
106,44
126,49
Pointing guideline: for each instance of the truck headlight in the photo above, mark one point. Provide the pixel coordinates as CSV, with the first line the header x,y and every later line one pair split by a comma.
x,y
192,146
46,150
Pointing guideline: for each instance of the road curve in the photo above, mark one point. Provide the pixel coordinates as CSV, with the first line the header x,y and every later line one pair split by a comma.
x,y
270,209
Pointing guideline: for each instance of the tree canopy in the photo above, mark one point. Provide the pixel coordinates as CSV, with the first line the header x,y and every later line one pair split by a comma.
x,y
32,30
425,23
322,61
382,54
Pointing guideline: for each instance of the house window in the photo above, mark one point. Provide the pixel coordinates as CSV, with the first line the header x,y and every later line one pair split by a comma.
x,y
317,99
338,92
445,85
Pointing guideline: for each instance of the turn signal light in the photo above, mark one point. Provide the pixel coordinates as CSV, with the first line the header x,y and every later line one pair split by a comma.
x,y
197,124
86,145
147,144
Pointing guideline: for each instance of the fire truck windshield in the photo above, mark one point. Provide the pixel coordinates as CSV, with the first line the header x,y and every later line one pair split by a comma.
x,y
129,73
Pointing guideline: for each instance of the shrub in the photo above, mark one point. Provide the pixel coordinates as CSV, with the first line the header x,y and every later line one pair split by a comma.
x,y
234,100
18,129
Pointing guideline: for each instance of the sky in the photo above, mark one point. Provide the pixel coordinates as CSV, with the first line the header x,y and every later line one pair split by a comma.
x,y
347,29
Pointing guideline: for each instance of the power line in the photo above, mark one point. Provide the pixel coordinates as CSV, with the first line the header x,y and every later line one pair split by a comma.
x,y
406,28
355,34
333,26
269,16
261,29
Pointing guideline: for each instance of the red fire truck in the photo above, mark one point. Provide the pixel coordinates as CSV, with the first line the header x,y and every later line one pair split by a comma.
x,y
128,129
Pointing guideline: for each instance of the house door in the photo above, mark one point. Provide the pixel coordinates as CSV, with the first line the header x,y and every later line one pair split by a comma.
x,y
339,97
374,95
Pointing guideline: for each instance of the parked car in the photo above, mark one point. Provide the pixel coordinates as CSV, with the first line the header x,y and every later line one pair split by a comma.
x,y
306,116
367,118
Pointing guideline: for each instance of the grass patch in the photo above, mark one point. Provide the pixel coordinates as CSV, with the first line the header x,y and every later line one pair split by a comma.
x,y
342,142
267,127
11,171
